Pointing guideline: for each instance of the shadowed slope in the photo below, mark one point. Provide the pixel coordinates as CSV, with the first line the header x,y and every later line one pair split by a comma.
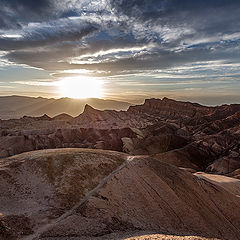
x,y
67,193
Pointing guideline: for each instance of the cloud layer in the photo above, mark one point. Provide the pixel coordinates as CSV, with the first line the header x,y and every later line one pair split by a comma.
x,y
117,38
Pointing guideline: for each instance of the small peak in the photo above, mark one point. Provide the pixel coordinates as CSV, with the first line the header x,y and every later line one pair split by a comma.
x,y
149,100
89,108
45,117
165,99
63,116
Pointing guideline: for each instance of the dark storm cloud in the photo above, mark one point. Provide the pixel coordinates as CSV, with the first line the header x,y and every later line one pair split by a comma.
x,y
15,12
178,31
160,59
206,16
163,9
50,34
36,7
49,57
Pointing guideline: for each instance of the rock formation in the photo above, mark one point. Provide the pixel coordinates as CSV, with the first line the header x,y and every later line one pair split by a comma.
x,y
182,133
87,194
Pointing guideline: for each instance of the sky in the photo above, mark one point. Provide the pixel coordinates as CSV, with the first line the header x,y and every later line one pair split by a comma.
x,y
121,49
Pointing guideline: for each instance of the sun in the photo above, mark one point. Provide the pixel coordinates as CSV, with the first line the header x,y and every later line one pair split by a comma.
x,y
81,87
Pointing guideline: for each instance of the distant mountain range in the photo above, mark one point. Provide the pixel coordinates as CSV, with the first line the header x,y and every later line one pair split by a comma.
x,y
19,106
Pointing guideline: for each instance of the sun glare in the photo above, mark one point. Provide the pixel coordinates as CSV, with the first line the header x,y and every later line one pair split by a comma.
x,y
78,87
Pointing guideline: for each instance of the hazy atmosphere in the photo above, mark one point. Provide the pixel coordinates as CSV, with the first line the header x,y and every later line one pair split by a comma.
x,y
121,50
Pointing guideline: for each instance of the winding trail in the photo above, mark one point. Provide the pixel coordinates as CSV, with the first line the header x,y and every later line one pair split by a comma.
x,y
44,228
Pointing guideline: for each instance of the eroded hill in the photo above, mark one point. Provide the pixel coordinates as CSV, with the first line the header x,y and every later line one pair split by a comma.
x,y
182,133
88,194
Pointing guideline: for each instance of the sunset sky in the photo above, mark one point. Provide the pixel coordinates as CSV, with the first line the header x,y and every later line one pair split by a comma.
x,y
121,49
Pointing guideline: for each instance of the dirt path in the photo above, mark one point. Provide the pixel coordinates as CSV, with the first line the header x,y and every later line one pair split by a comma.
x,y
44,228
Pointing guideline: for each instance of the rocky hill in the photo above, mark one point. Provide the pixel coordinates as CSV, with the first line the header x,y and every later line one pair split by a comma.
x,y
184,134
95,194
174,174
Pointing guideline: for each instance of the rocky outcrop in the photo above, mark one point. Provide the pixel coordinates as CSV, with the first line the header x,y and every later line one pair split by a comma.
x,y
110,119
169,108
224,165
96,194
63,117
79,193
29,140
182,133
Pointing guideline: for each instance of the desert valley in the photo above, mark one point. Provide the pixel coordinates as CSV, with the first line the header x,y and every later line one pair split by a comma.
x,y
165,169
120,120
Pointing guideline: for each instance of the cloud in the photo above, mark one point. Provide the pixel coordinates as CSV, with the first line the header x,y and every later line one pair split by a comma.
x,y
14,13
121,37
172,11
171,20
39,35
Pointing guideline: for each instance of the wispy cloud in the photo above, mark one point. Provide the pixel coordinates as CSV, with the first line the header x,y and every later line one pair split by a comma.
x,y
118,39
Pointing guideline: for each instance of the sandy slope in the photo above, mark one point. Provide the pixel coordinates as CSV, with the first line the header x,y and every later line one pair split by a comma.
x,y
230,184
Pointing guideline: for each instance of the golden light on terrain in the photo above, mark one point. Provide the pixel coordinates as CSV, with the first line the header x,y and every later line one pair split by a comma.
x,y
81,87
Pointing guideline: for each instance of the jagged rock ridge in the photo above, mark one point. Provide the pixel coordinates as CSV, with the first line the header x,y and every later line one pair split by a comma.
x,y
182,133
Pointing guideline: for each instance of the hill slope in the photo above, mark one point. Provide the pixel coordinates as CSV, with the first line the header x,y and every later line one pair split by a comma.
x,y
65,193
184,134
